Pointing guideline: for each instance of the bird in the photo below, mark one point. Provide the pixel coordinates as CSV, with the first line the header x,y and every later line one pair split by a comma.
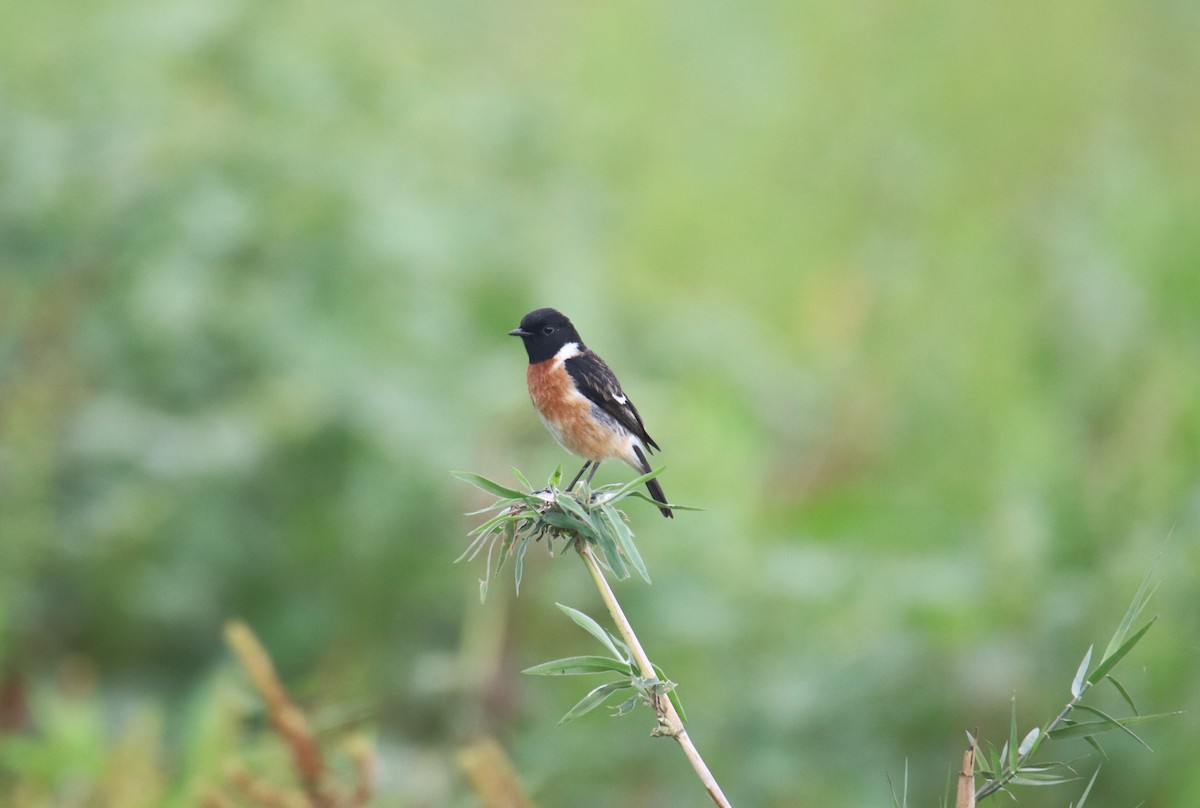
x,y
580,400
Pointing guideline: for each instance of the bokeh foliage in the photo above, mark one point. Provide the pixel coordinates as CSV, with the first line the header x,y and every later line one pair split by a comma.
x,y
909,294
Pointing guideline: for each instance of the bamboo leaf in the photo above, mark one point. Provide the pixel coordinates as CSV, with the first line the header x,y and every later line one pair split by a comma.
x,y
484,484
1116,723
611,556
590,528
521,478
626,488
657,504
1085,729
1028,742
591,626
519,564
1081,673
1011,745
500,503
672,694
1111,659
593,699
1041,780
1092,742
579,665
491,524
563,521
1124,693
626,707
571,505
1083,797
624,538
1140,598
473,548
995,759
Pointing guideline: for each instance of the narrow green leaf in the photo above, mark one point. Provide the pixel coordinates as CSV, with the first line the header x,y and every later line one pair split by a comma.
x,y
484,484
607,545
1117,723
491,524
519,564
591,626
579,665
571,505
566,522
672,694
1011,746
628,706
1092,742
624,535
625,488
487,572
597,530
505,552
1077,682
657,504
593,699
1083,797
621,646
521,478
901,802
473,548
1084,729
1135,608
1028,742
1110,660
500,503
1048,767
1124,693
555,477
995,759
1041,780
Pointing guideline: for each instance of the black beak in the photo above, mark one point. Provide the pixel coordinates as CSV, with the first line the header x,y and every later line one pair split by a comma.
x,y
520,332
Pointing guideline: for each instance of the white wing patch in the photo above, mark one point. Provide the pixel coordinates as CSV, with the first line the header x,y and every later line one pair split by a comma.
x,y
621,400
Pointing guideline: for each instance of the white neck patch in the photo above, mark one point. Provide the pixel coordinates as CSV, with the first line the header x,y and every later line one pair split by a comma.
x,y
568,351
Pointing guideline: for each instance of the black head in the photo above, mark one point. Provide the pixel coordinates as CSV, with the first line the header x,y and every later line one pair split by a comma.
x,y
544,332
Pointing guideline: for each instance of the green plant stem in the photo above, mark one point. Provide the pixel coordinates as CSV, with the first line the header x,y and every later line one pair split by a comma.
x,y
668,719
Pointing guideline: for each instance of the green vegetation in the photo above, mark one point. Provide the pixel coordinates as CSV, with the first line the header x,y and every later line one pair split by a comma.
x,y
909,296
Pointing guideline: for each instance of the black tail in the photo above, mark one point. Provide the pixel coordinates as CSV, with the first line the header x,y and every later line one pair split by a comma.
x,y
656,491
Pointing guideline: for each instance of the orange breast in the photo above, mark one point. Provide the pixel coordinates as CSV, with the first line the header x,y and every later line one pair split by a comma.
x,y
570,416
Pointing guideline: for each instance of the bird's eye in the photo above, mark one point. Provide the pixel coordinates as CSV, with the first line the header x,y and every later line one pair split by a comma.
x,y
548,330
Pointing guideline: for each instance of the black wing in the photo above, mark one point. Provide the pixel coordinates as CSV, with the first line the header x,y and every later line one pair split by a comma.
x,y
594,379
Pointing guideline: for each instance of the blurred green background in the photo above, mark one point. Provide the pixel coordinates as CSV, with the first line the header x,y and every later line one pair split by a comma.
x,y
909,294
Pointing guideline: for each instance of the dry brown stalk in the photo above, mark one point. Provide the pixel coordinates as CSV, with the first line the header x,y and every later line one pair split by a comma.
x,y
362,755
492,775
211,797
293,728
289,721
966,780
260,792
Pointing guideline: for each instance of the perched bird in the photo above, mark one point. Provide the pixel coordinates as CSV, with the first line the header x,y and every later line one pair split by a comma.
x,y
580,400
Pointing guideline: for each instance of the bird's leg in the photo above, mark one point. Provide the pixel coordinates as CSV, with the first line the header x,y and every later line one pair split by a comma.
x,y
580,474
592,474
